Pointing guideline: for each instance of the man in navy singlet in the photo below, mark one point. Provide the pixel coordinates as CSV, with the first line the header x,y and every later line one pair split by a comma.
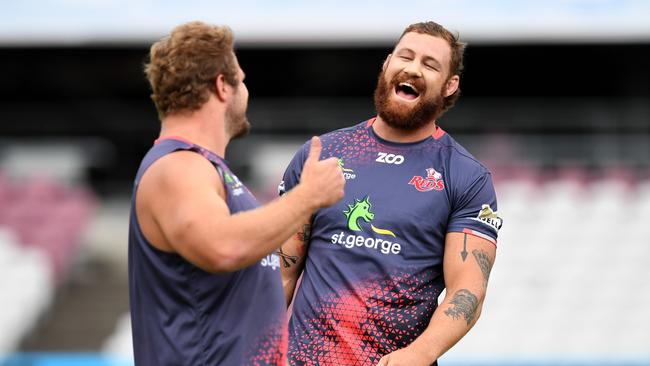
x,y
204,281
418,216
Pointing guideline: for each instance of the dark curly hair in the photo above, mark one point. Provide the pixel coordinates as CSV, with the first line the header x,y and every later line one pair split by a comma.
x,y
183,66
457,50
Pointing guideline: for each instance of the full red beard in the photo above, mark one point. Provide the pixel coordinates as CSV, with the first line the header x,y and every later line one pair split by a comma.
x,y
400,116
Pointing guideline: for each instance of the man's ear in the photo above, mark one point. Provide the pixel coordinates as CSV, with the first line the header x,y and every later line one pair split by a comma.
x,y
221,87
452,85
386,61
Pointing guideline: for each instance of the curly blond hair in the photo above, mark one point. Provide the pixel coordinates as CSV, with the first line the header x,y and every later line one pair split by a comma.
x,y
183,66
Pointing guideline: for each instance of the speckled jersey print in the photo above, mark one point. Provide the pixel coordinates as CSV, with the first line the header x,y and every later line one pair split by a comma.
x,y
373,271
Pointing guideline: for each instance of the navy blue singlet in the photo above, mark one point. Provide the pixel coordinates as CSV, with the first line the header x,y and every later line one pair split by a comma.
x,y
182,315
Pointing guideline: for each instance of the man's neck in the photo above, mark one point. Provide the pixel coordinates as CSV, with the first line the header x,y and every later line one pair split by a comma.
x,y
202,127
386,132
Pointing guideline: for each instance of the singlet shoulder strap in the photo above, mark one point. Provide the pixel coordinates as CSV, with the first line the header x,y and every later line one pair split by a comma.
x,y
168,145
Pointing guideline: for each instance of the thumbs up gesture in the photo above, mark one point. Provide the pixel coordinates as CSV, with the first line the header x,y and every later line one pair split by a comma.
x,y
323,179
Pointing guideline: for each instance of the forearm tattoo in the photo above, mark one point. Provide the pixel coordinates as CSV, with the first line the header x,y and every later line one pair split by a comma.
x,y
463,304
287,260
303,236
485,263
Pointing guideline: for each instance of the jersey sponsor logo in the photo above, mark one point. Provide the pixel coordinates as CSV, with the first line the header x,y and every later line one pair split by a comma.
x,y
489,217
271,260
389,158
433,181
350,241
236,186
359,212
281,189
348,173
232,180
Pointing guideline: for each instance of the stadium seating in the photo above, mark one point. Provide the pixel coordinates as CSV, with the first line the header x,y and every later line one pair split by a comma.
x,y
119,344
41,225
571,272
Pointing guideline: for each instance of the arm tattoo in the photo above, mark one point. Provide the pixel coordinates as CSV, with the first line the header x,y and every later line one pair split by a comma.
x,y
303,236
287,260
463,304
463,254
485,262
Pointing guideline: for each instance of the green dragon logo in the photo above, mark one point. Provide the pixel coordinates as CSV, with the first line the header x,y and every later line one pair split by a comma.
x,y
361,210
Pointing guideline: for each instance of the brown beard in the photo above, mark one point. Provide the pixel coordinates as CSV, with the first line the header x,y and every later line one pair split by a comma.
x,y
399,117
237,124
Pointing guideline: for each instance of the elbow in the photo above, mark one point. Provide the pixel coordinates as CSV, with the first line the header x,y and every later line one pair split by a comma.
x,y
479,309
465,303
227,258
198,246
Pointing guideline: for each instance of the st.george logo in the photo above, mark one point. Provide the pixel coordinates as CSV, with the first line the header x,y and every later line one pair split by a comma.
x,y
357,213
432,181
389,158
347,172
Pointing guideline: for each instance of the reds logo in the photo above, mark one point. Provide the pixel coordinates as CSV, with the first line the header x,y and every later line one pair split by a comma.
x,y
432,181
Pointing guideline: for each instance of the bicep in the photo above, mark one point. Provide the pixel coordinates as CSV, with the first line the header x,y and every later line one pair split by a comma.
x,y
468,260
189,205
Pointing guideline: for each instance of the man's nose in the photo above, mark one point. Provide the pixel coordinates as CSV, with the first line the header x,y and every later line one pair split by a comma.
x,y
412,70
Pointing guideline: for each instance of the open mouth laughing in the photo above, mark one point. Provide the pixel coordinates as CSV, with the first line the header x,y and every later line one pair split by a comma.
x,y
407,91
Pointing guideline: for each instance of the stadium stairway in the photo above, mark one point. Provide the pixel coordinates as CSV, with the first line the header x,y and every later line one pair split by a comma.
x,y
84,311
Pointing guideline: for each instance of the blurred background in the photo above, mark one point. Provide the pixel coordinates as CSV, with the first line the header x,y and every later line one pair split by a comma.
x,y
556,102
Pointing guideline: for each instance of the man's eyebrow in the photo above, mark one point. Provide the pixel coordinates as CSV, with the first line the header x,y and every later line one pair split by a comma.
x,y
431,58
405,49
437,63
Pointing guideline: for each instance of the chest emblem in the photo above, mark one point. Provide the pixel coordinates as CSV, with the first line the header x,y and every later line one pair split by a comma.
x,y
433,181
357,214
360,210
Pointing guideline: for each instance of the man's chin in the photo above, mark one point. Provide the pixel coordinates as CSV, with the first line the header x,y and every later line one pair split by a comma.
x,y
399,115
242,132
406,118
398,121
242,129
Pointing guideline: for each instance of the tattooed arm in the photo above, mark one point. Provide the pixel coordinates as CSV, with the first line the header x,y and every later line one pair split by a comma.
x,y
467,263
292,259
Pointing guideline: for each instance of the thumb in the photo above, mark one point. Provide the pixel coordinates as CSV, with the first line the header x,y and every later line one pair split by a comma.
x,y
314,149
